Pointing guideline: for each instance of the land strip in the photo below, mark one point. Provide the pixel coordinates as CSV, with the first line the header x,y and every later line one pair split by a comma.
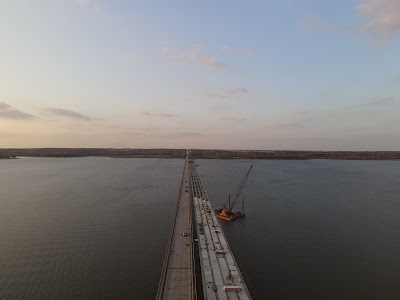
x,y
199,153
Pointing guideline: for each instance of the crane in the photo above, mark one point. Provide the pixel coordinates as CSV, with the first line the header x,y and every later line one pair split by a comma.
x,y
238,191
227,213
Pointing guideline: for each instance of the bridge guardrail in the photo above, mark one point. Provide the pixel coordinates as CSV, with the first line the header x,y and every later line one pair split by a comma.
x,y
171,234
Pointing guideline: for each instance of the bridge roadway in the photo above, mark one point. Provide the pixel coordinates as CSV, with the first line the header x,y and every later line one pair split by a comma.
x,y
217,262
176,280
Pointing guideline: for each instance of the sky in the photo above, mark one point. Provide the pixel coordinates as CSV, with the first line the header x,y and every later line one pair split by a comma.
x,y
221,74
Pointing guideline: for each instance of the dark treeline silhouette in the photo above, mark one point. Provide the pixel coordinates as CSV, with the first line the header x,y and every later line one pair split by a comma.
x,y
198,154
104,152
6,156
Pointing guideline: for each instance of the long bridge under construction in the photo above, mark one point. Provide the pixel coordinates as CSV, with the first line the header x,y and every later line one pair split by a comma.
x,y
198,263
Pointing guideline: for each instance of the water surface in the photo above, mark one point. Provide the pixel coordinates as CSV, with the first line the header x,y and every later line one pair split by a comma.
x,y
97,227
317,229
84,227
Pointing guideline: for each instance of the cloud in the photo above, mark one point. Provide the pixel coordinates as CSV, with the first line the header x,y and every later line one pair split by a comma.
x,y
127,132
228,93
217,95
4,105
9,112
314,23
342,114
179,55
96,9
66,113
194,55
220,107
383,17
304,118
82,2
212,63
150,128
235,119
99,11
131,57
237,91
292,125
384,101
226,49
189,134
160,115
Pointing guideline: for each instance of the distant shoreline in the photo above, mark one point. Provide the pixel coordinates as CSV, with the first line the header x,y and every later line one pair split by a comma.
x,y
198,154
8,157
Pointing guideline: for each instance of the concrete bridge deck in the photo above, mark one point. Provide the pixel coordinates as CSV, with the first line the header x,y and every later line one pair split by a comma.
x,y
218,264
176,280
213,257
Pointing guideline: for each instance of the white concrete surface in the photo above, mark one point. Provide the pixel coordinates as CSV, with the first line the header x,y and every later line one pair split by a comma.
x,y
215,267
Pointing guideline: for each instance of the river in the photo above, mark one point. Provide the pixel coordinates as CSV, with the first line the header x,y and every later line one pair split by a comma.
x,y
97,227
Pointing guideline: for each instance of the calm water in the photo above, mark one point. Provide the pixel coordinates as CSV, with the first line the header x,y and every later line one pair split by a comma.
x,y
97,227
84,227
315,229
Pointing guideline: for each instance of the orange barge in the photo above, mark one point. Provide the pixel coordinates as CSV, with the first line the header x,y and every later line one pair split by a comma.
x,y
228,215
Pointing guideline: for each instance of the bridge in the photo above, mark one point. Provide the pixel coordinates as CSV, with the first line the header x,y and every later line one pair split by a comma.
x,y
198,263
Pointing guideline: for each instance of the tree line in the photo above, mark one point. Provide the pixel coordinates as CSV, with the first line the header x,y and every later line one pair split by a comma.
x,y
198,153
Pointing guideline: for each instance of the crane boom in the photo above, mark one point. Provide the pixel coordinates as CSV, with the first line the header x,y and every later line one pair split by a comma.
x,y
239,190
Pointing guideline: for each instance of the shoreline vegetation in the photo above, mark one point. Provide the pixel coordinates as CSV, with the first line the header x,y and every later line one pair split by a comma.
x,y
12,153
7,156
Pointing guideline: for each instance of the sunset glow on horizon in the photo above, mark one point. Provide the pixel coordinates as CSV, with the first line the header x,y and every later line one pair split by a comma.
x,y
289,75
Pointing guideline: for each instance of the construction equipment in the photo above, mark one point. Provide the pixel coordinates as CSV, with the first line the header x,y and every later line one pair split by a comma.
x,y
227,213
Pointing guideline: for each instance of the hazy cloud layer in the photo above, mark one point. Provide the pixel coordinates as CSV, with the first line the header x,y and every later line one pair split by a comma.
x,y
379,17
4,105
194,55
297,124
96,8
179,55
217,95
300,119
66,113
314,23
150,128
237,91
230,50
305,118
82,2
383,16
212,63
11,113
131,57
384,101
219,107
159,115
227,49
235,119
189,134
231,92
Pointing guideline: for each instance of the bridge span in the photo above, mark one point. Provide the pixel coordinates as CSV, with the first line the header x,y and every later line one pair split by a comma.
x,y
199,263
177,278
